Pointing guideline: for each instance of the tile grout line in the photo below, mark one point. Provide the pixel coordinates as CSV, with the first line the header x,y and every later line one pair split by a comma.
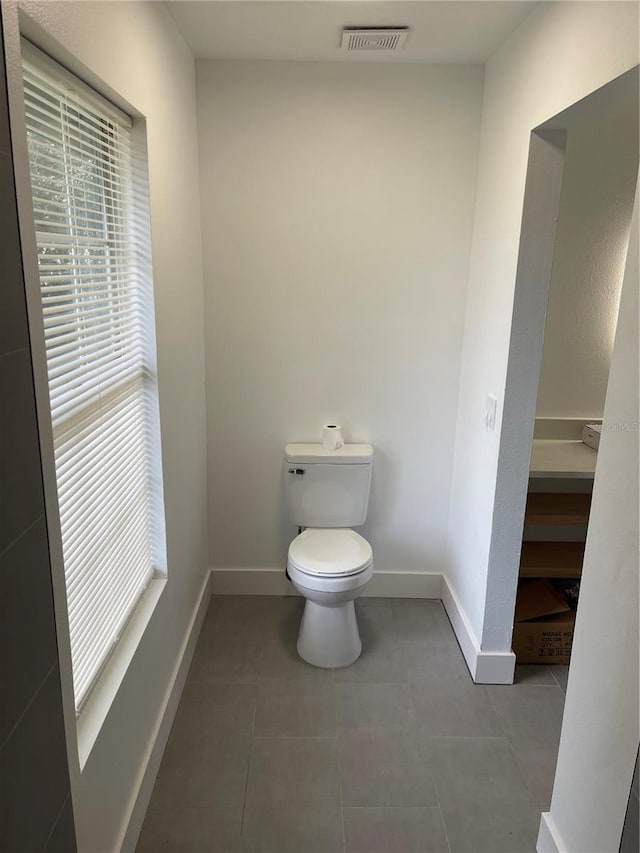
x,y
392,808
433,778
495,710
26,530
344,835
507,737
246,780
437,793
253,729
17,349
13,729
523,776
335,685
444,825
56,821
556,680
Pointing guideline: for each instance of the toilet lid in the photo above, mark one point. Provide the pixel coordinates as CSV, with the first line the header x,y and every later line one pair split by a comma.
x,y
330,551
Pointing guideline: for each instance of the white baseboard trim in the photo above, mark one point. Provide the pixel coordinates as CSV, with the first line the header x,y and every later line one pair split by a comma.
x,y
157,743
549,840
250,582
242,581
485,667
404,585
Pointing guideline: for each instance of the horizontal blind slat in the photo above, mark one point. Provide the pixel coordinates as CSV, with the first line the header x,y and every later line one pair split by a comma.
x,y
92,230
78,577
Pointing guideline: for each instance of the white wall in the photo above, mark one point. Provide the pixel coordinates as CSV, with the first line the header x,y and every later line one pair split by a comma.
x,y
557,56
597,195
137,51
336,210
600,727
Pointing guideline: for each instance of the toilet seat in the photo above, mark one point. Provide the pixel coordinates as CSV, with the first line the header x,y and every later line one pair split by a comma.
x,y
330,552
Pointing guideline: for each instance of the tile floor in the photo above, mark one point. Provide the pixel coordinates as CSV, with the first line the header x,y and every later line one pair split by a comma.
x,y
398,753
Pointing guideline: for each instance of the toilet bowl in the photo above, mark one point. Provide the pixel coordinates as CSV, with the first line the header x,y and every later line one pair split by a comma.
x,y
330,567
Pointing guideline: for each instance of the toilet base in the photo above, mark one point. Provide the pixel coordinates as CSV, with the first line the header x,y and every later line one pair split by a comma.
x,y
329,635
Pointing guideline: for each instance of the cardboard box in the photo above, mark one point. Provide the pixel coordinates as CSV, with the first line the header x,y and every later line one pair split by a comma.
x,y
543,629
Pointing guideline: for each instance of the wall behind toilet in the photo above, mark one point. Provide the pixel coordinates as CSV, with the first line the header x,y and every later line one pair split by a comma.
x,y
337,205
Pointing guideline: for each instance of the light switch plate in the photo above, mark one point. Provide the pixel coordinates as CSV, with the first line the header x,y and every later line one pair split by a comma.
x,y
490,413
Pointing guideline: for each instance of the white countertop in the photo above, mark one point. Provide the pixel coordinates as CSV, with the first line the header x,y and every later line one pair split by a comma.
x,y
561,458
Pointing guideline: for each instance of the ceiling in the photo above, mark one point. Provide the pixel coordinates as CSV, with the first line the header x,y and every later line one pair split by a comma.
x,y
443,31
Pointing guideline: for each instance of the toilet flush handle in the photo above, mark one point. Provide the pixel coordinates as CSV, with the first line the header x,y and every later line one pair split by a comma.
x,y
298,471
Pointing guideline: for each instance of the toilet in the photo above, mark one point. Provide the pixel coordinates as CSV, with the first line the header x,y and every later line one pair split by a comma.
x,y
328,562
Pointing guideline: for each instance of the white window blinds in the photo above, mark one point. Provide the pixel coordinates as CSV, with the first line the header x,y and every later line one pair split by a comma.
x,y
90,203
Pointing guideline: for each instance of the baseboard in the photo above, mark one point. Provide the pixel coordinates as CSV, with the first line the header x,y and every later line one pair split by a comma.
x,y
485,667
274,582
549,840
158,742
250,582
404,585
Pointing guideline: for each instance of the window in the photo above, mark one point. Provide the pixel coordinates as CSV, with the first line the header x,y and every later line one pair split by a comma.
x,y
90,204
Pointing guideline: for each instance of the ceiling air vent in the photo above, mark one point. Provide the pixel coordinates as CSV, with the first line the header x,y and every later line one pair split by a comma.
x,y
374,38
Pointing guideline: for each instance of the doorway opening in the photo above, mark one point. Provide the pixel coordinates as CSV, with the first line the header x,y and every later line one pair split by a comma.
x,y
599,146
578,208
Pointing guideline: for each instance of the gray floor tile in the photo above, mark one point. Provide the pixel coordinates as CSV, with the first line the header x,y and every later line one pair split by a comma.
x,y
260,617
435,662
208,772
371,601
492,829
560,673
172,830
210,708
533,673
394,830
293,770
375,622
281,662
306,828
538,766
250,608
532,718
385,770
455,708
293,709
398,714
374,707
466,769
531,713
420,619
293,797
282,621
483,798
226,658
381,661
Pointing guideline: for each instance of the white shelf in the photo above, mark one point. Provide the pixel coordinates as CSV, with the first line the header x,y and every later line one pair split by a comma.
x,y
561,458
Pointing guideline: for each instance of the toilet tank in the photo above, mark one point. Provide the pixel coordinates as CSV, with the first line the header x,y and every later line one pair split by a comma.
x,y
328,488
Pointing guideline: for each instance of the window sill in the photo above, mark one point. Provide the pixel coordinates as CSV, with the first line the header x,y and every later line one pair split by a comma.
x,y
94,713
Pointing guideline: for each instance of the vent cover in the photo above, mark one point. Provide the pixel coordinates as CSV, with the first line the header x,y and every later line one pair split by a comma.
x,y
376,38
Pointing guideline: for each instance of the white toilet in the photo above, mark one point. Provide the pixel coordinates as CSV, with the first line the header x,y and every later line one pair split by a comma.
x,y
328,563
